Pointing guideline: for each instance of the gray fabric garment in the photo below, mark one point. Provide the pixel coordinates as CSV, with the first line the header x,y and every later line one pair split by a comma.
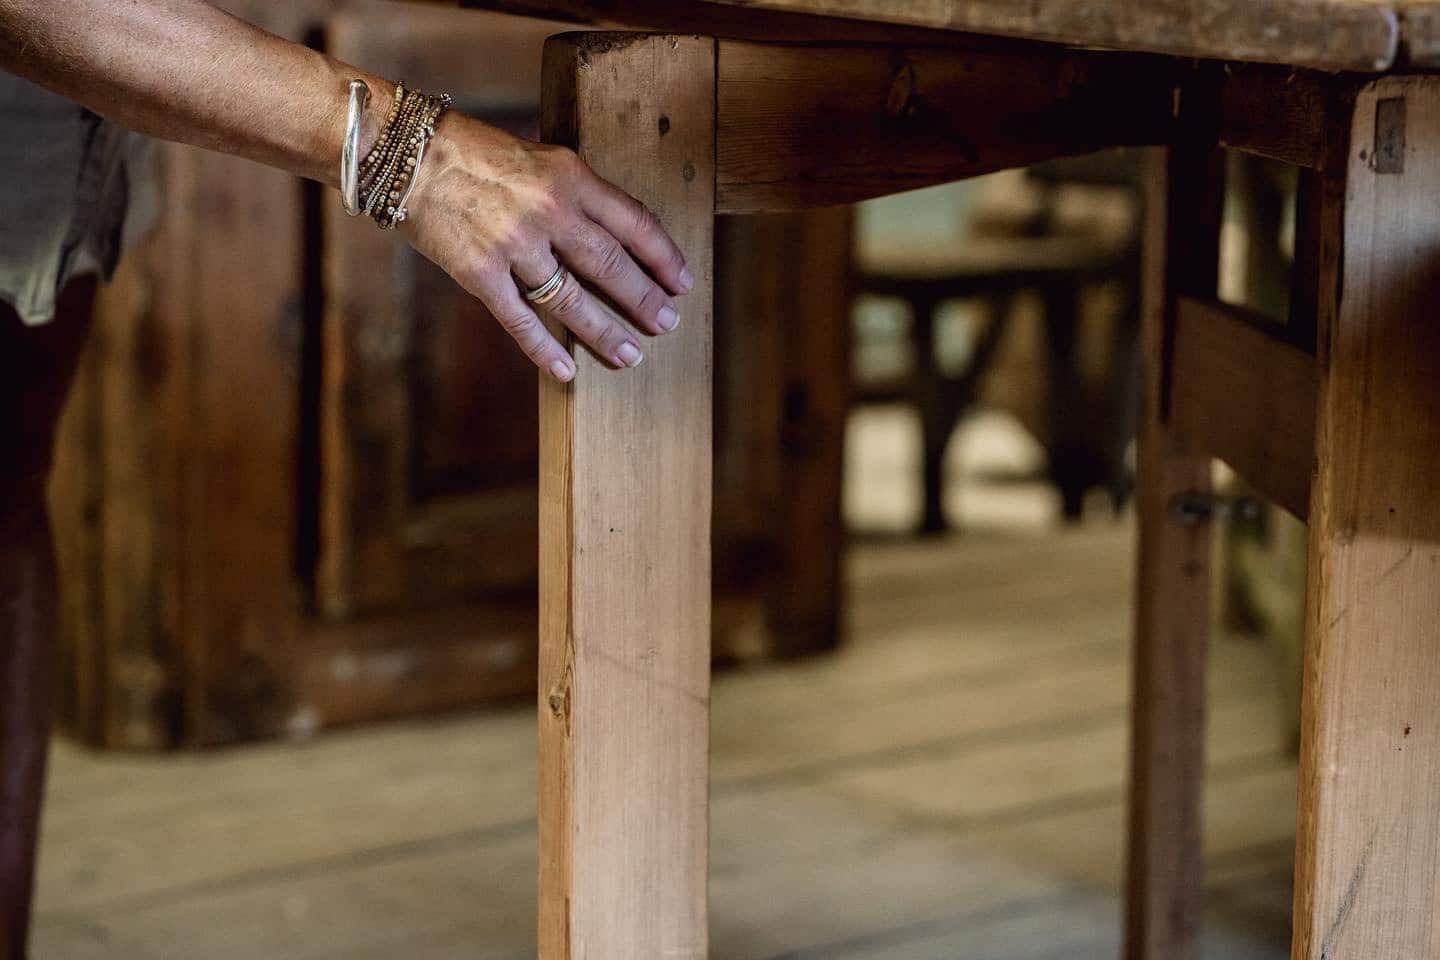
x,y
70,179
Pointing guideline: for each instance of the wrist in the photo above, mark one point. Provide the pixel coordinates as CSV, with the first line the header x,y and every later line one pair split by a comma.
x,y
439,155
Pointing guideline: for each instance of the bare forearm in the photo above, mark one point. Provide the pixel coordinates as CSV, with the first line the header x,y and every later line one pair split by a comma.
x,y
183,70
498,213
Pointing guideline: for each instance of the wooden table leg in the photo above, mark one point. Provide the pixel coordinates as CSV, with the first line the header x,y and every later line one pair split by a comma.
x,y
1367,884
625,487
808,594
783,374
1070,469
1173,582
937,420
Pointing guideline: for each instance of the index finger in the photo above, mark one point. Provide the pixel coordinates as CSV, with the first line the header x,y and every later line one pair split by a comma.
x,y
632,223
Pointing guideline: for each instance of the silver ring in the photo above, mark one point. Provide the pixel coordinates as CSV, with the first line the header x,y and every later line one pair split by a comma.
x,y
548,290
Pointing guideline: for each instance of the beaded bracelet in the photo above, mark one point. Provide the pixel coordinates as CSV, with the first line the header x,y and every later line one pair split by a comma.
x,y
387,174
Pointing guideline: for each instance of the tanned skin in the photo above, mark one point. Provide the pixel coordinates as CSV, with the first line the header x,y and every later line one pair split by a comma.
x,y
488,207
492,210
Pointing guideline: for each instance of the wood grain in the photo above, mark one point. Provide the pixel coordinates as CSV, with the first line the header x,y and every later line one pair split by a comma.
x,y
625,490
1297,117
807,125
1368,856
1246,397
1360,35
1185,193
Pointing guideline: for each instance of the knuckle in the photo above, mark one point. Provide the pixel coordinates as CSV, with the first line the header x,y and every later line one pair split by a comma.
x,y
563,159
651,300
609,260
569,303
487,270
580,237
507,245
645,220
606,336
524,240
518,323
549,205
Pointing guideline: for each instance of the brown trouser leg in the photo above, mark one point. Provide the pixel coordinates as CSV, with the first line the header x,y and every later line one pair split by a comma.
x,y
36,367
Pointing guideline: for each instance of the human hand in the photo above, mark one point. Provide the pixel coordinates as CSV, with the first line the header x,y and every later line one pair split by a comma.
x,y
497,212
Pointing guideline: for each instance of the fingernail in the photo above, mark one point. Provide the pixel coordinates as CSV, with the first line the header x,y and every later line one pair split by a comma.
x,y
668,319
629,355
687,280
562,370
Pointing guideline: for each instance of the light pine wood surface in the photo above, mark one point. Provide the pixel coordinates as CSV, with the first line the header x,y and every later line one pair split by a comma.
x,y
1245,397
625,491
949,787
1366,879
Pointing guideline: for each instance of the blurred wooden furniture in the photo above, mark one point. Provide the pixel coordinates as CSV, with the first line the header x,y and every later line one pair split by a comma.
x,y
301,466
1092,408
1335,414
993,269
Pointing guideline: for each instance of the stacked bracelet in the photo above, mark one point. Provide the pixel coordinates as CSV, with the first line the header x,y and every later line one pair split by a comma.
x,y
386,176
350,149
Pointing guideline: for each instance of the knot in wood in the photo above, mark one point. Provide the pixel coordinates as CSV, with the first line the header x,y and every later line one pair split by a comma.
x,y
559,702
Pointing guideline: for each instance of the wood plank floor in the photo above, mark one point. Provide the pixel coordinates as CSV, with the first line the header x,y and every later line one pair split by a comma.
x,y
951,786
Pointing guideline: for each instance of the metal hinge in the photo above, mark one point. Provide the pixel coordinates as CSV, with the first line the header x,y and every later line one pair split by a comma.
x,y
1192,508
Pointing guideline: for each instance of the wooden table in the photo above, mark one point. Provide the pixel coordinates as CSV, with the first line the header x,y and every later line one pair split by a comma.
x,y
786,104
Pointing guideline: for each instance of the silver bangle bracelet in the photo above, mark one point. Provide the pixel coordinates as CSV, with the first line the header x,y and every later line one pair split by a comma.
x,y
350,149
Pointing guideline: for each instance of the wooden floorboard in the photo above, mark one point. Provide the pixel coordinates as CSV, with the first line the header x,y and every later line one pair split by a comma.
x,y
951,786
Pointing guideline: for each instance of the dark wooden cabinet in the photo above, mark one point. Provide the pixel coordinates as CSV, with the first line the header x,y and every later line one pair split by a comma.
x,y
296,481
428,413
